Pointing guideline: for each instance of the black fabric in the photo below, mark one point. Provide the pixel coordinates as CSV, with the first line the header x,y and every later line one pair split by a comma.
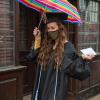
x,y
47,84
61,16
32,54
76,66
80,70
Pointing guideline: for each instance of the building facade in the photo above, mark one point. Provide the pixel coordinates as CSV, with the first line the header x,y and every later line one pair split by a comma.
x,y
16,26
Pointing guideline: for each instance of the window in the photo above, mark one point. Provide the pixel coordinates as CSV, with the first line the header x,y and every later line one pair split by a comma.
x,y
7,32
23,29
89,28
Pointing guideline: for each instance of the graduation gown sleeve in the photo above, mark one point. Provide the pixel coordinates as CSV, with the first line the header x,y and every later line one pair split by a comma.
x,y
32,54
74,65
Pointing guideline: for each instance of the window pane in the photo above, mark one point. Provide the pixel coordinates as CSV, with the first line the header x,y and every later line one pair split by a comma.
x,y
7,32
23,29
89,29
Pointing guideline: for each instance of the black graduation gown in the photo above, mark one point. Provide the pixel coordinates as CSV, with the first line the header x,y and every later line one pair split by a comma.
x,y
48,77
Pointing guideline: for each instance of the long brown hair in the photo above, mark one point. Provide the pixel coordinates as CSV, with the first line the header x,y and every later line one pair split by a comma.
x,y
47,46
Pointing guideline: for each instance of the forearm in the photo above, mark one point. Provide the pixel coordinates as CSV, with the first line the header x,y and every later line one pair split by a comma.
x,y
37,42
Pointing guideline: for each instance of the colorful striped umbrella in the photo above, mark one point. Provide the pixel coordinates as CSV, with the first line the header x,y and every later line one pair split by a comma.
x,y
71,19
34,4
49,6
63,6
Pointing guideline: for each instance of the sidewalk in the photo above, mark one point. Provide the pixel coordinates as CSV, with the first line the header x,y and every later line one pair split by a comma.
x,y
93,98
28,97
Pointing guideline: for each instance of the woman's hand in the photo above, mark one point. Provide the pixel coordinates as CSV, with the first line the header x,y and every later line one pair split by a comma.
x,y
87,57
36,32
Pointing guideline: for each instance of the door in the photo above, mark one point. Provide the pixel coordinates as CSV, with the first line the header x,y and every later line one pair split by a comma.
x,y
28,19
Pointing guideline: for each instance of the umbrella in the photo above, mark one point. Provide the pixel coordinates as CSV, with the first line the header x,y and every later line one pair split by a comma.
x,y
34,4
71,19
63,6
46,6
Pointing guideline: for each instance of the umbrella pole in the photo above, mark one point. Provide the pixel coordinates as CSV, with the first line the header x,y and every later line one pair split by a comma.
x,y
41,20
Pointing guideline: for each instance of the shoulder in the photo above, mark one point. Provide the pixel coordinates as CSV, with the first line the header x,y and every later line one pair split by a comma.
x,y
70,50
69,47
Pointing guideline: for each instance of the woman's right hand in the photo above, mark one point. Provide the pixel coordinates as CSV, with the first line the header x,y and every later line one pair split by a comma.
x,y
36,32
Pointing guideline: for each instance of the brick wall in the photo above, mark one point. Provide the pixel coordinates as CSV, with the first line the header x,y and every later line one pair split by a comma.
x,y
7,32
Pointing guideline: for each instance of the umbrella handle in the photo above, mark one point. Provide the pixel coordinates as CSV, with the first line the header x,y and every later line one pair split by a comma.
x,y
41,20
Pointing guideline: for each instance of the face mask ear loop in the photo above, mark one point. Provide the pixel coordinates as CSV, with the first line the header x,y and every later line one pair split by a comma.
x,y
56,84
37,90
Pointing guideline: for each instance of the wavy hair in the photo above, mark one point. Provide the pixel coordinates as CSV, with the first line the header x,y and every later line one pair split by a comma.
x,y
47,45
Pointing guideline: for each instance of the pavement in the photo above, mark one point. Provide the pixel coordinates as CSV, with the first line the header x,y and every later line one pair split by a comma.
x,y
97,97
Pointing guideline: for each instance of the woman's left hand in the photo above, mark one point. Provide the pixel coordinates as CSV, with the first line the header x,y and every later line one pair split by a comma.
x,y
87,57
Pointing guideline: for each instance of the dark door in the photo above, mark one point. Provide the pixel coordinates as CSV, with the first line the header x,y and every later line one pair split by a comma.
x,y
28,19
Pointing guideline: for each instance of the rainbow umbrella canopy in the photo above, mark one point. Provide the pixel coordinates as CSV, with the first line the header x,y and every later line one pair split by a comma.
x,y
34,4
63,6
54,6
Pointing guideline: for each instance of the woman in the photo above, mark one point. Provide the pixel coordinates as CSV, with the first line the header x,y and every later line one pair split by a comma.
x,y
55,58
